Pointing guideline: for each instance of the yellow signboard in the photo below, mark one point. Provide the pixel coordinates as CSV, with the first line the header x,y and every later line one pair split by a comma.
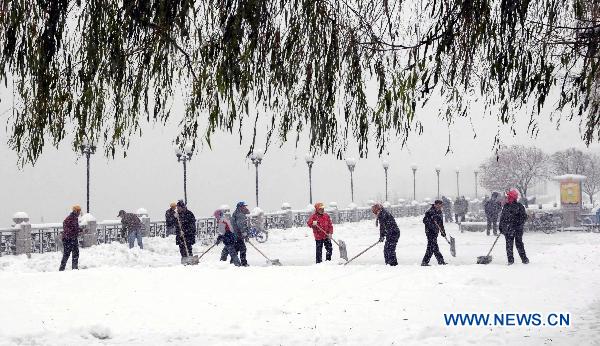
x,y
570,193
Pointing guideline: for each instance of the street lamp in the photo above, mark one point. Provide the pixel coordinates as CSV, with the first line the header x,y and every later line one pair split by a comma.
x,y
87,149
256,158
351,163
457,185
437,171
184,156
414,169
309,161
386,165
476,173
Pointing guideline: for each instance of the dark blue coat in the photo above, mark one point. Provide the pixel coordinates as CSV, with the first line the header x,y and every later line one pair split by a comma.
x,y
387,225
433,216
188,224
513,218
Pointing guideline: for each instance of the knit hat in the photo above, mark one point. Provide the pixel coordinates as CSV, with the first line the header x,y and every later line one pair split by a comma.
x,y
319,205
512,195
76,208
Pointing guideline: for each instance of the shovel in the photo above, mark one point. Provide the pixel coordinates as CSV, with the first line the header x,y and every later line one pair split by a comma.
x,y
274,262
487,259
451,242
365,250
207,250
340,243
187,260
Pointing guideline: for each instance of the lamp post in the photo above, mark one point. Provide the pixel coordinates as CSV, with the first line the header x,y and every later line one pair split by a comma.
x,y
437,172
87,149
351,163
309,161
414,170
457,184
476,173
386,165
184,156
256,158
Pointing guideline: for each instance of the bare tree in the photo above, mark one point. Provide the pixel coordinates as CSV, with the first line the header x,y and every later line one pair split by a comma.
x,y
517,167
575,161
591,185
570,161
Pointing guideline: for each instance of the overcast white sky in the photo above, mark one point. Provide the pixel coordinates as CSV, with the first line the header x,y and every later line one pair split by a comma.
x,y
151,177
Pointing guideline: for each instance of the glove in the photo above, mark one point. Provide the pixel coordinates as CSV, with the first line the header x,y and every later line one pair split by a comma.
x,y
315,223
381,239
218,240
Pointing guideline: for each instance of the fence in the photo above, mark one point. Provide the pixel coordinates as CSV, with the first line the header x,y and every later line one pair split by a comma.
x,y
40,238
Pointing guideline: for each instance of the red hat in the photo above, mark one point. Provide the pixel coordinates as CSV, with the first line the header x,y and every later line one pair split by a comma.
x,y
512,195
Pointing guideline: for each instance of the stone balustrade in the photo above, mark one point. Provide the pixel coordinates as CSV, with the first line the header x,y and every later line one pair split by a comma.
x,y
26,238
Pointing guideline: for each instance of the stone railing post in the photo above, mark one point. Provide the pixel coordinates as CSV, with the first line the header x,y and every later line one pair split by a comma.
x,y
334,213
289,219
259,221
145,226
90,235
23,239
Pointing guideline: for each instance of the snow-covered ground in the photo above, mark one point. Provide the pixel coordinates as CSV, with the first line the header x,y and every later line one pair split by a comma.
x,y
145,297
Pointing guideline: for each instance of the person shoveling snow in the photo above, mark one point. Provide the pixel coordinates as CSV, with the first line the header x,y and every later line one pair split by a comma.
x,y
388,231
434,224
186,233
322,227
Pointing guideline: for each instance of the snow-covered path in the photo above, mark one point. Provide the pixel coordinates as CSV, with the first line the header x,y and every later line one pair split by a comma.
x,y
145,297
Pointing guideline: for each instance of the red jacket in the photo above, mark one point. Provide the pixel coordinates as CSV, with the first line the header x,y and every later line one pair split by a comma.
x,y
322,220
71,227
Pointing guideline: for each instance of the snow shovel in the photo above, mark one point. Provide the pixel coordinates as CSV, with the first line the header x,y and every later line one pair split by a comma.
x,y
487,259
274,262
451,242
207,250
365,250
187,260
341,245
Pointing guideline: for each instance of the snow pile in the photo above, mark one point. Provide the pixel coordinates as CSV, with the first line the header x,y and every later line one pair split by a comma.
x,y
143,297
20,215
86,218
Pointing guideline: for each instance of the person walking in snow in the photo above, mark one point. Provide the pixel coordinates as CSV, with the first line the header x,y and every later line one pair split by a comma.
x,y
434,225
170,220
512,221
227,237
239,221
388,231
492,209
133,228
69,235
322,227
185,229
447,208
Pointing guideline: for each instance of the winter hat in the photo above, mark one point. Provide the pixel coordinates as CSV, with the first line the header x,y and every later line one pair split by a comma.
x,y
241,204
121,213
376,208
512,195
76,208
494,194
437,201
181,204
173,205
319,205
218,214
